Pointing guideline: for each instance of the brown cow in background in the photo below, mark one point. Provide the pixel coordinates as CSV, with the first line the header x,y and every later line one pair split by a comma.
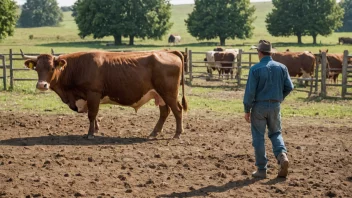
x,y
221,59
226,60
299,64
129,79
334,64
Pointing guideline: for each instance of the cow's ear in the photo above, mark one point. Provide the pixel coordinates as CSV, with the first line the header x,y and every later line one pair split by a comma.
x,y
60,63
30,63
327,51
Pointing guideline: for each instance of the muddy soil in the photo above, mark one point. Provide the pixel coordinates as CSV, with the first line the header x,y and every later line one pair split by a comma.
x,y
45,155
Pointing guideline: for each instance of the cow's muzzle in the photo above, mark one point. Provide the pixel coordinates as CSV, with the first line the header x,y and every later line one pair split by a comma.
x,y
43,85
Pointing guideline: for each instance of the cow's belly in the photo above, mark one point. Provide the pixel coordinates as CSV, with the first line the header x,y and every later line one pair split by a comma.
x,y
151,94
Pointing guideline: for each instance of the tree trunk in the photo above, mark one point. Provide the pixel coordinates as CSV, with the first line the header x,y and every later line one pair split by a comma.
x,y
314,38
117,39
299,37
222,41
131,40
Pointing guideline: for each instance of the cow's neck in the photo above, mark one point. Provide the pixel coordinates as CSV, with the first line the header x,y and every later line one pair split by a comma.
x,y
57,87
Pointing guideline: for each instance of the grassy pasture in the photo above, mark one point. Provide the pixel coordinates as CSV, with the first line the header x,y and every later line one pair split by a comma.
x,y
201,95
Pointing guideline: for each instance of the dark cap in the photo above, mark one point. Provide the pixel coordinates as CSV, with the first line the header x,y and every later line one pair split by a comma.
x,y
263,46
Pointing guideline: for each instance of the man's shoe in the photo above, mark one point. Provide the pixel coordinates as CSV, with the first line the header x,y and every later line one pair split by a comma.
x,y
259,174
283,161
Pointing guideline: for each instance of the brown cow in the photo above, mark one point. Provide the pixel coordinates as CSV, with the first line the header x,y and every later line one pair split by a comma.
x,y
129,79
345,40
299,64
334,64
226,62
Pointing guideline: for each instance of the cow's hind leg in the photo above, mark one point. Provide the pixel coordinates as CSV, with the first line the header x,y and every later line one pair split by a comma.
x,y
176,109
96,126
93,100
164,113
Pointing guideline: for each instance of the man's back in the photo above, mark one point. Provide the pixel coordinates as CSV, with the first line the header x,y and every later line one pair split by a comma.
x,y
271,76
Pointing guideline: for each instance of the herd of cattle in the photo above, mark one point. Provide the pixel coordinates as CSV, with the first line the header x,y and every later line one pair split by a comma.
x,y
84,80
299,64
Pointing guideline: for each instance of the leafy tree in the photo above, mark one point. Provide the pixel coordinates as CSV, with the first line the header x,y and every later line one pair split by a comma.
x,y
221,18
304,17
38,13
8,18
347,20
129,18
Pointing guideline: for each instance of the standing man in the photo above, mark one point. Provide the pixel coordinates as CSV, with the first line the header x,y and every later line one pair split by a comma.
x,y
267,86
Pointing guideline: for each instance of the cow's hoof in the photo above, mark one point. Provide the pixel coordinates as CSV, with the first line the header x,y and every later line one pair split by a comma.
x,y
176,136
153,135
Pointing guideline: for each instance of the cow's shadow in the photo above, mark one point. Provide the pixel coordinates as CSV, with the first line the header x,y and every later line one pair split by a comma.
x,y
74,140
203,192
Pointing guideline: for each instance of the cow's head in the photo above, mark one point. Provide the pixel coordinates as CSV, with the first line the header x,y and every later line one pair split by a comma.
x,y
45,65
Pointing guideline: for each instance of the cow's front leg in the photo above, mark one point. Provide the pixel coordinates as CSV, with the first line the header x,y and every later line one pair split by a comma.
x,y
93,100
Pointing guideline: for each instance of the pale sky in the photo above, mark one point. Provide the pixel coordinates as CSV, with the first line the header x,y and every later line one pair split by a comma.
x,y
71,2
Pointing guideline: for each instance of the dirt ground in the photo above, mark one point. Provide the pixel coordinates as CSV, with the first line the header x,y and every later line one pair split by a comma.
x,y
44,155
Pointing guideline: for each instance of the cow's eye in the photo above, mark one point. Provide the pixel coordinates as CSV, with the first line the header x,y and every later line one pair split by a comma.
x,y
52,69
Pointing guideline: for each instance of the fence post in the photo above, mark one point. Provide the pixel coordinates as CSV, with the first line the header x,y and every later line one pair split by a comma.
x,y
316,74
239,65
4,76
11,70
344,73
186,62
190,65
250,61
323,74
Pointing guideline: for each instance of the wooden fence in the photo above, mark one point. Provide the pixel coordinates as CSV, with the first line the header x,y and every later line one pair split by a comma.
x,y
198,69
319,76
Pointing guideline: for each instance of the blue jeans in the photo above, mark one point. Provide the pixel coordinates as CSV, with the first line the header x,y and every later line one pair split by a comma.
x,y
265,114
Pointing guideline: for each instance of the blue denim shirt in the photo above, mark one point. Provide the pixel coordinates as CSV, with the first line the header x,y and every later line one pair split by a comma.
x,y
267,80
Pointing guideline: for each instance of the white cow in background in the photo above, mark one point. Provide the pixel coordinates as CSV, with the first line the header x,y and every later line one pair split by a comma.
x,y
174,39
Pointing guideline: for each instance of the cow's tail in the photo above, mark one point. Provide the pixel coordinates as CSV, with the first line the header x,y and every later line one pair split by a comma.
x,y
184,101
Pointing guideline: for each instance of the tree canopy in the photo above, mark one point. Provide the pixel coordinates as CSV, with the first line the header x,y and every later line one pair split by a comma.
x,y
38,13
347,20
128,18
304,17
8,18
225,19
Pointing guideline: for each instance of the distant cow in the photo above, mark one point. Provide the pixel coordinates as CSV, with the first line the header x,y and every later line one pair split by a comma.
x,y
345,40
222,61
299,64
210,62
334,64
174,39
226,60
83,80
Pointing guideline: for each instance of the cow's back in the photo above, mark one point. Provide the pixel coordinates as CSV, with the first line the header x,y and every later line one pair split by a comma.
x,y
128,78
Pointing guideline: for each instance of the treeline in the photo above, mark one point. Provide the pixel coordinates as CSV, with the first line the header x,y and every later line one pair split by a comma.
x,y
210,19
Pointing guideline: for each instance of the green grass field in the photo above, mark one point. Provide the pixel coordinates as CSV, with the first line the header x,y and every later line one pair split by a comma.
x,y
65,39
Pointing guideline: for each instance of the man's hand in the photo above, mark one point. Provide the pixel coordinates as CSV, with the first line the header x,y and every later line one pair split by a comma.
x,y
247,116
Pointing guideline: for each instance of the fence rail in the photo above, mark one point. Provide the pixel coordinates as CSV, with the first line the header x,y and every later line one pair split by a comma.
x,y
243,61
